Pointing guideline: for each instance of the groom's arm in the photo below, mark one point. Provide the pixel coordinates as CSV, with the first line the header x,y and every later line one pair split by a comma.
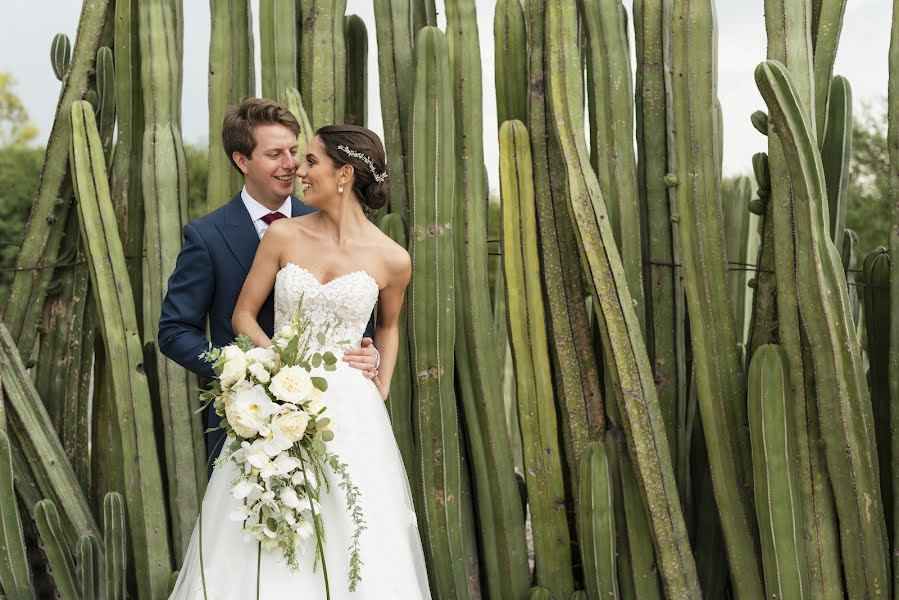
x,y
182,322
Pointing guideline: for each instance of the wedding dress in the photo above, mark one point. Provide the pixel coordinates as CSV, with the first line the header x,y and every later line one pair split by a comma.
x,y
393,562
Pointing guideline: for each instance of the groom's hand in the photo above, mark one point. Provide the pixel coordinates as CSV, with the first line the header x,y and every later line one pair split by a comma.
x,y
365,358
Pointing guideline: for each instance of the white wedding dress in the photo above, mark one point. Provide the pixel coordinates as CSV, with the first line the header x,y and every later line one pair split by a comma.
x,y
391,551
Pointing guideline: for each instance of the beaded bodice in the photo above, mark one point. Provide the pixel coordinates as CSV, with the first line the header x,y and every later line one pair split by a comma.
x,y
341,306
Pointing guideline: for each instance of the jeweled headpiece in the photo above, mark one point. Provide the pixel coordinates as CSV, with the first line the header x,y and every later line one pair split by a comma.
x,y
379,177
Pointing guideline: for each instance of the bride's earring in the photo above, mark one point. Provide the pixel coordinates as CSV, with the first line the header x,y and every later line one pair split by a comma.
x,y
339,188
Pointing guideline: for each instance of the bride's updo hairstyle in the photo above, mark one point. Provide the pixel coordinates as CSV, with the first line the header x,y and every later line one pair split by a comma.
x,y
362,149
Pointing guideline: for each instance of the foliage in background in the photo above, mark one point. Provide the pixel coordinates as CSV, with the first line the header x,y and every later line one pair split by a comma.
x,y
869,179
15,125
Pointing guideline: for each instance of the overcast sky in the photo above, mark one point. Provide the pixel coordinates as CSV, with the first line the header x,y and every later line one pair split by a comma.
x,y
27,29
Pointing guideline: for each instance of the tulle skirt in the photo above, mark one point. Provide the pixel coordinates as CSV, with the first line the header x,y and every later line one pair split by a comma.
x,y
393,561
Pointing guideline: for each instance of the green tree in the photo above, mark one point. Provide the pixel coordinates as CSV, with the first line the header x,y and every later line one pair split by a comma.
x,y
868,209
15,126
20,168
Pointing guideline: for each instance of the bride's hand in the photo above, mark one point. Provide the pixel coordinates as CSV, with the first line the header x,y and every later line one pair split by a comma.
x,y
384,391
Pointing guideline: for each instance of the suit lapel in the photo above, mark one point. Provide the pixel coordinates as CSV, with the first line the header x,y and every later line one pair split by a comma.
x,y
240,233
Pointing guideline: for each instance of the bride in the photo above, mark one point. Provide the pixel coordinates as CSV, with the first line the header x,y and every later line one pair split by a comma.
x,y
340,265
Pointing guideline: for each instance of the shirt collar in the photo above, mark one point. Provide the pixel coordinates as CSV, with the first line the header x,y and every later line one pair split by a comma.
x,y
257,211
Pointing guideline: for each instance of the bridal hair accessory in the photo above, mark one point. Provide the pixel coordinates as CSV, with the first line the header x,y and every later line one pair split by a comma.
x,y
379,177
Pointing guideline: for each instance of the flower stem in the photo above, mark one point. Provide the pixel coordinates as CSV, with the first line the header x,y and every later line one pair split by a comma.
x,y
318,533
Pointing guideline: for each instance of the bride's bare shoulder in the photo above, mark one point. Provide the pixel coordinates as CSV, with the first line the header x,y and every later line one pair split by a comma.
x,y
395,259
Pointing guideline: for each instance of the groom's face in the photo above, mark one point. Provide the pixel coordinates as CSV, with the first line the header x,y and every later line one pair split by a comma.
x,y
269,171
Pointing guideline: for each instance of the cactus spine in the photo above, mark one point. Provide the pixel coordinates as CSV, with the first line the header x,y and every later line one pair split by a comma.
x,y
40,242
533,375
114,541
323,83
477,359
432,320
356,70
622,342
113,296
15,575
596,523
395,69
692,100
777,500
841,389
278,46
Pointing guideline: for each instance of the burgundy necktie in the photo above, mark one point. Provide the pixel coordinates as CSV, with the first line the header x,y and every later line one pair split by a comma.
x,y
271,217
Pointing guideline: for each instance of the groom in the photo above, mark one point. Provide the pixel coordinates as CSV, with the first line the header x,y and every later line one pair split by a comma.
x,y
260,138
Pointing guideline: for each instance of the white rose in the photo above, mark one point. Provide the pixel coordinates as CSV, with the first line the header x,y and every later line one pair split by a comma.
x,y
260,372
235,368
264,356
287,331
249,412
291,384
292,424
315,401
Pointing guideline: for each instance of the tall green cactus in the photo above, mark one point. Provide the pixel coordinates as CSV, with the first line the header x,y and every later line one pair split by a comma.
x,y
15,575
399,402
356,70
836,148
876,288
62,566
290,98
827,22
278,46
775,472
395,70
533,375
323,82
842,394
477,359
849,260
40,242
666,336
596,523
693,163
164,180
621,338
432,328
735,203
115,304
60,55
106,92
88,564
511,62
231,80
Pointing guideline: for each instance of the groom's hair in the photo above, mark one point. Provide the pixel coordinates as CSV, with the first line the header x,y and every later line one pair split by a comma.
x,y
239,121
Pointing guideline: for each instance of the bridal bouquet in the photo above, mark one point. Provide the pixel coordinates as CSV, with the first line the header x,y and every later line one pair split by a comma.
x,y
273,411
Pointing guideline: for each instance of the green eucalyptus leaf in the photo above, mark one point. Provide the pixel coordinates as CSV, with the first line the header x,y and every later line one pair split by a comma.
x,y
320,383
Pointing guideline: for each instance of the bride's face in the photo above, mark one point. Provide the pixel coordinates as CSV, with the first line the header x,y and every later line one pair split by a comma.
x,y
319,176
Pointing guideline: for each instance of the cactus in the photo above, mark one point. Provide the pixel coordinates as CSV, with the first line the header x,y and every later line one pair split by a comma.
x,y
827,21
621,338
540,593
849,260
610,99
876,287
114,540
88,566
60,55
477,359
399,402
576,372
596,522
527,337
356,70
290,98
736,235
231,80
323,83
841,391
643,568
691,103
58,555
165,203
395,71
763,323
893,147
759,120
432,320
106,93
143,485
40,242
15,575
511,62
666,310
775,474
278,46
836,148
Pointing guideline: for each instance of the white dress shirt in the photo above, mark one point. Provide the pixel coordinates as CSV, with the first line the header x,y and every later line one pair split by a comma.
x,y
257,211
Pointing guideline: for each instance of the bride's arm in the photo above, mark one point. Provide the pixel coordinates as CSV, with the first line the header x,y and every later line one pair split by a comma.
x,y
390,301
258,286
